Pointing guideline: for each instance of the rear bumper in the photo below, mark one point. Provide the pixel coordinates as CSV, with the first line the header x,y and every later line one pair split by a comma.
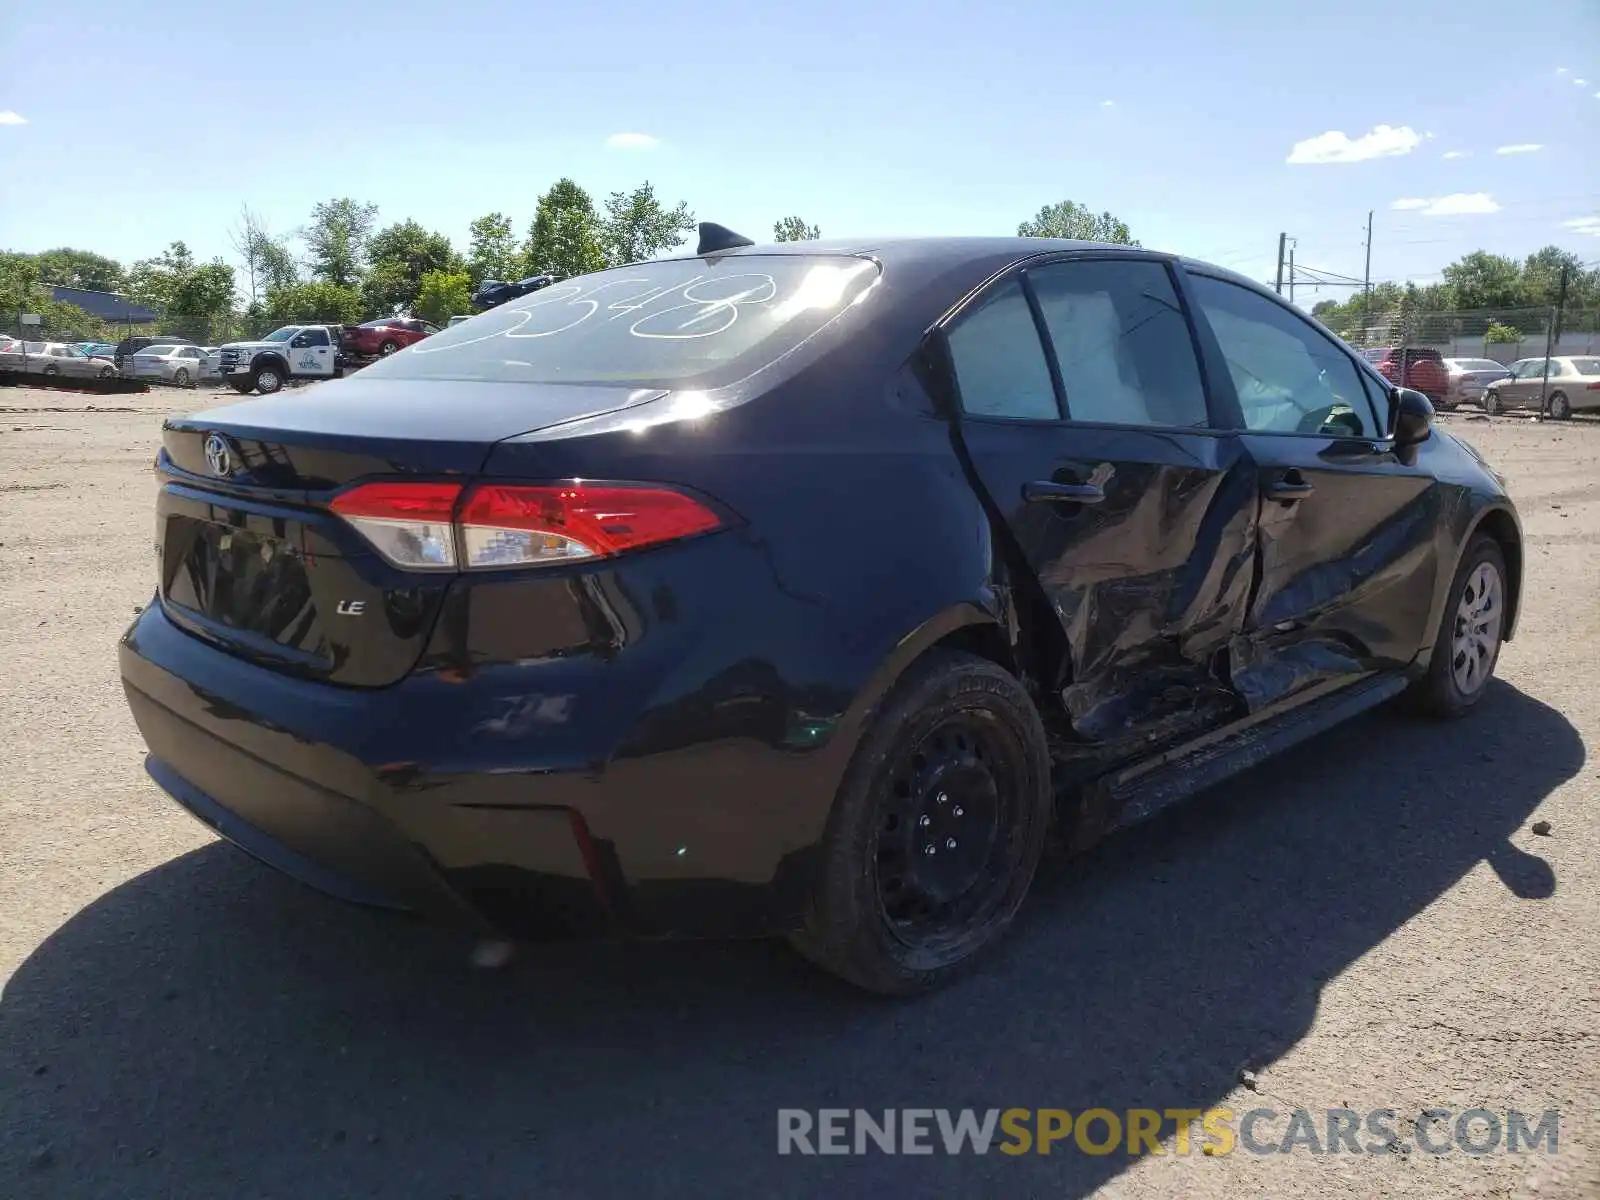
x,y
395,797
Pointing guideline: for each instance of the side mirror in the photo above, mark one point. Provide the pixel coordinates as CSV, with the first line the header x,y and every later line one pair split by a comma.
x,y
1410,418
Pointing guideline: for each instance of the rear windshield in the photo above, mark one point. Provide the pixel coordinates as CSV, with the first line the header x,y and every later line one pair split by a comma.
x,y
652,324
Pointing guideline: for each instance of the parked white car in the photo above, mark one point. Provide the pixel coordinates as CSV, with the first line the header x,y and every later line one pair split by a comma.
x,y
182,366
54,359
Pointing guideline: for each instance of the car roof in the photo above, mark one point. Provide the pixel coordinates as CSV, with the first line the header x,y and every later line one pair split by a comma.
x,y
932,251
939,252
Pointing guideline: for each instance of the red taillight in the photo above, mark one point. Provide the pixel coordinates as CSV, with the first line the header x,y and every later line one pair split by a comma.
x,y
407,523
506,525
420,526
1592,387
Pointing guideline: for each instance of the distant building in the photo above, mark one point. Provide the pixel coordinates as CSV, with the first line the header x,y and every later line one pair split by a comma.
x,y
108,306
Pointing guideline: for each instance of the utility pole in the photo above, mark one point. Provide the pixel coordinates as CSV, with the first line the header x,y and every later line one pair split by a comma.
x,y
1366,283
1552,335
1292,243
1278,286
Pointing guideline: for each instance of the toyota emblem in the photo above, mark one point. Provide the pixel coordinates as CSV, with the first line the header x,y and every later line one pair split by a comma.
x,y
217,456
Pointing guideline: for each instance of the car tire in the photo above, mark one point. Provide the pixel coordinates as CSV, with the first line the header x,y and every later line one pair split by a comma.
x,y
180,377
242,386
387,348
50,369
105,373
1452,686
1491,403
1560,407
885,913
266,380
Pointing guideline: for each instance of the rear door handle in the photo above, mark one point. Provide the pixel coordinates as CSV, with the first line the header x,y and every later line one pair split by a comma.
x,y
1045,491
1290,488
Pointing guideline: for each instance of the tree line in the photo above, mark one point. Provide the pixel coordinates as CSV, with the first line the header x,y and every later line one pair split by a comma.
x,y
1480,294
342,266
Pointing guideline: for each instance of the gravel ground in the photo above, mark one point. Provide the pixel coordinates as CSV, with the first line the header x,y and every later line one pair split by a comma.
x,y
1368,922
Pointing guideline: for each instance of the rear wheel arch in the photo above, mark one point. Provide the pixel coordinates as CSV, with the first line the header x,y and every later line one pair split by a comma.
x,y
966,626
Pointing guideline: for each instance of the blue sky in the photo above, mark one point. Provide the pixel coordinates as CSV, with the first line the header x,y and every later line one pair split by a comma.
x,y
123,128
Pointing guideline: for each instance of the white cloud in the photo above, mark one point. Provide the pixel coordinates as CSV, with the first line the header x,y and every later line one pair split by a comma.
x,y
1580,83
7,117
1521,148
632,141
1462,204
1108,104
1336,146
1561,70
1588,225
1454,154
1457,204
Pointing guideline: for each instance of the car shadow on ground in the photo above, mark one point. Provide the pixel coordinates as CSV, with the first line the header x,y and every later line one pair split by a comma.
x,y
212,1029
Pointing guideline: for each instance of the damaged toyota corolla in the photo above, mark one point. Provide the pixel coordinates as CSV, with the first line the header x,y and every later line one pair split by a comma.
x,y
801,590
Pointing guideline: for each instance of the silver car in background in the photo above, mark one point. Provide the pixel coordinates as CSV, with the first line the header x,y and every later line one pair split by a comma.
x,y
182,366
1572,384
1469,376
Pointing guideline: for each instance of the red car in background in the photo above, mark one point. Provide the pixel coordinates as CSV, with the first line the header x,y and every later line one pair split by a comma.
x,y
381,338
1424,371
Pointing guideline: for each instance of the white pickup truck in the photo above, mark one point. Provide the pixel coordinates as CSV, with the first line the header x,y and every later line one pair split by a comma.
x,y
293,352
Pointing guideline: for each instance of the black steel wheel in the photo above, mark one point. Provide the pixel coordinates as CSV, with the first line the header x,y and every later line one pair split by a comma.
x,y
936,831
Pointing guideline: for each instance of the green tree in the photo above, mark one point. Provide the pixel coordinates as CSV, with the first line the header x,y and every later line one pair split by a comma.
x,y
565,236
1541,279
266,259
492,249
80,269
1484,280
336,239
793,229
1070,219
398,257
637,226
154,281
444,294
316,301
22,290
1499,332
204,294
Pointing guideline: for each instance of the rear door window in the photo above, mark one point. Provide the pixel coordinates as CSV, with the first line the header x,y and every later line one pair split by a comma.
x,y
1121,342
667,323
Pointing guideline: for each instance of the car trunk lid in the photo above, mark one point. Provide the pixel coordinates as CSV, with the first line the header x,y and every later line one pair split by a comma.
x,y
252,558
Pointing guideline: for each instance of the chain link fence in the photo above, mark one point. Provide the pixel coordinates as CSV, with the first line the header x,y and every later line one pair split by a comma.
x,y
68,323
1501,334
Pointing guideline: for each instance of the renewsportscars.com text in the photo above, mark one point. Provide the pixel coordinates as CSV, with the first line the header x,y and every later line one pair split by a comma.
x,y
1017,1131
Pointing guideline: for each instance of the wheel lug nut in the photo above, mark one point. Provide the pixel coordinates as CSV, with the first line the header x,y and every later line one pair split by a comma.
x,y
958,811
941,798
930,850
924,820
949,843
